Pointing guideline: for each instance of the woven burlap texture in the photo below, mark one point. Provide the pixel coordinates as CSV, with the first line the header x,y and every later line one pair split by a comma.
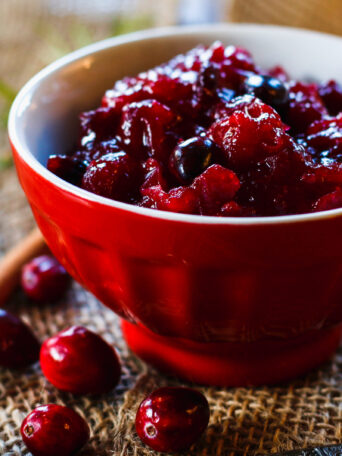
x,y
244,421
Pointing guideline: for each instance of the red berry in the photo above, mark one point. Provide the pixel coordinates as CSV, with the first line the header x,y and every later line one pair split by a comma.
x,y
114,175
53,430
172,418
80,361
44,279
18,346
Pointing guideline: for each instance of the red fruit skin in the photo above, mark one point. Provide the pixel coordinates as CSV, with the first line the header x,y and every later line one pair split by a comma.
x,y
54,430
44,279
172,418
80,362
18,346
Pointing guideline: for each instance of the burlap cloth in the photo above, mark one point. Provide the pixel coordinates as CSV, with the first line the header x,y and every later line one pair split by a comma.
x,y
243,421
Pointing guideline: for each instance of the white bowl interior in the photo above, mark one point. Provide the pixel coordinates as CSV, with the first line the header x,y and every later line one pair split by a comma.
x,y
46,111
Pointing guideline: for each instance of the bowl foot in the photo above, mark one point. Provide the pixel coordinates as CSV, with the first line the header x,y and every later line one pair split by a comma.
x,y
231,363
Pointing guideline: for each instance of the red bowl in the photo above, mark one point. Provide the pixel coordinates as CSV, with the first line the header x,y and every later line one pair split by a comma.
x,y
224,301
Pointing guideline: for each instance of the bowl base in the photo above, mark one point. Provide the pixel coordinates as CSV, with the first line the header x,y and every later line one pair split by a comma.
x,y
232,363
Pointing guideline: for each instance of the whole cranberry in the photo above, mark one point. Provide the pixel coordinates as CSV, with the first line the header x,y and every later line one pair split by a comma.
x,y
80,361
114,175
191,157
172,418
54,430
44,279
269,89
18,346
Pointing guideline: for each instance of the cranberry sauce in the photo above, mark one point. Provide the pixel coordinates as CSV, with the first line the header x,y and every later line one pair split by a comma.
x,y
211,133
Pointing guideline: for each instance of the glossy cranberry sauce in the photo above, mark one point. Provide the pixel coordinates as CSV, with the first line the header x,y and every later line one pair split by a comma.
x,y
211,133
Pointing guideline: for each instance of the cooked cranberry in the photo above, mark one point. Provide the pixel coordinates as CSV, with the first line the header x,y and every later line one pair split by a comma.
x,y
44,279
18,346
150,143
279,73
180,199
143,127
329,201
79,361
54,430
252,132
270,90
305,106
324,139
172,418
115,175
331,94
215,187
191,157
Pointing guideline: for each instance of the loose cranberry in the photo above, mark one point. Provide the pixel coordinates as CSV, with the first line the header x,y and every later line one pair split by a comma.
x,y
269,89
191,157
68,168
115,175
44,279
80,361
172,418
18,346
54,430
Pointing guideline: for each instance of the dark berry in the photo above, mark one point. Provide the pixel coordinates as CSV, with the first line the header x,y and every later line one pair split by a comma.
x,y
191,157
172,418
114,175
270,90
54,430
44,279
68,168
80,361
18,346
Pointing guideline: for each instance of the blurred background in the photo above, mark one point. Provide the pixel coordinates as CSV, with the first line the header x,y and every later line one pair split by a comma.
x,y
33,33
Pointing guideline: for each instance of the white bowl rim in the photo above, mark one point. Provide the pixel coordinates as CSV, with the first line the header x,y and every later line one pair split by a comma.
x,y
99,46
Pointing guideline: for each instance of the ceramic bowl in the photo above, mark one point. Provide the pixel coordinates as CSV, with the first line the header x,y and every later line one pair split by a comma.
x,y
223,301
